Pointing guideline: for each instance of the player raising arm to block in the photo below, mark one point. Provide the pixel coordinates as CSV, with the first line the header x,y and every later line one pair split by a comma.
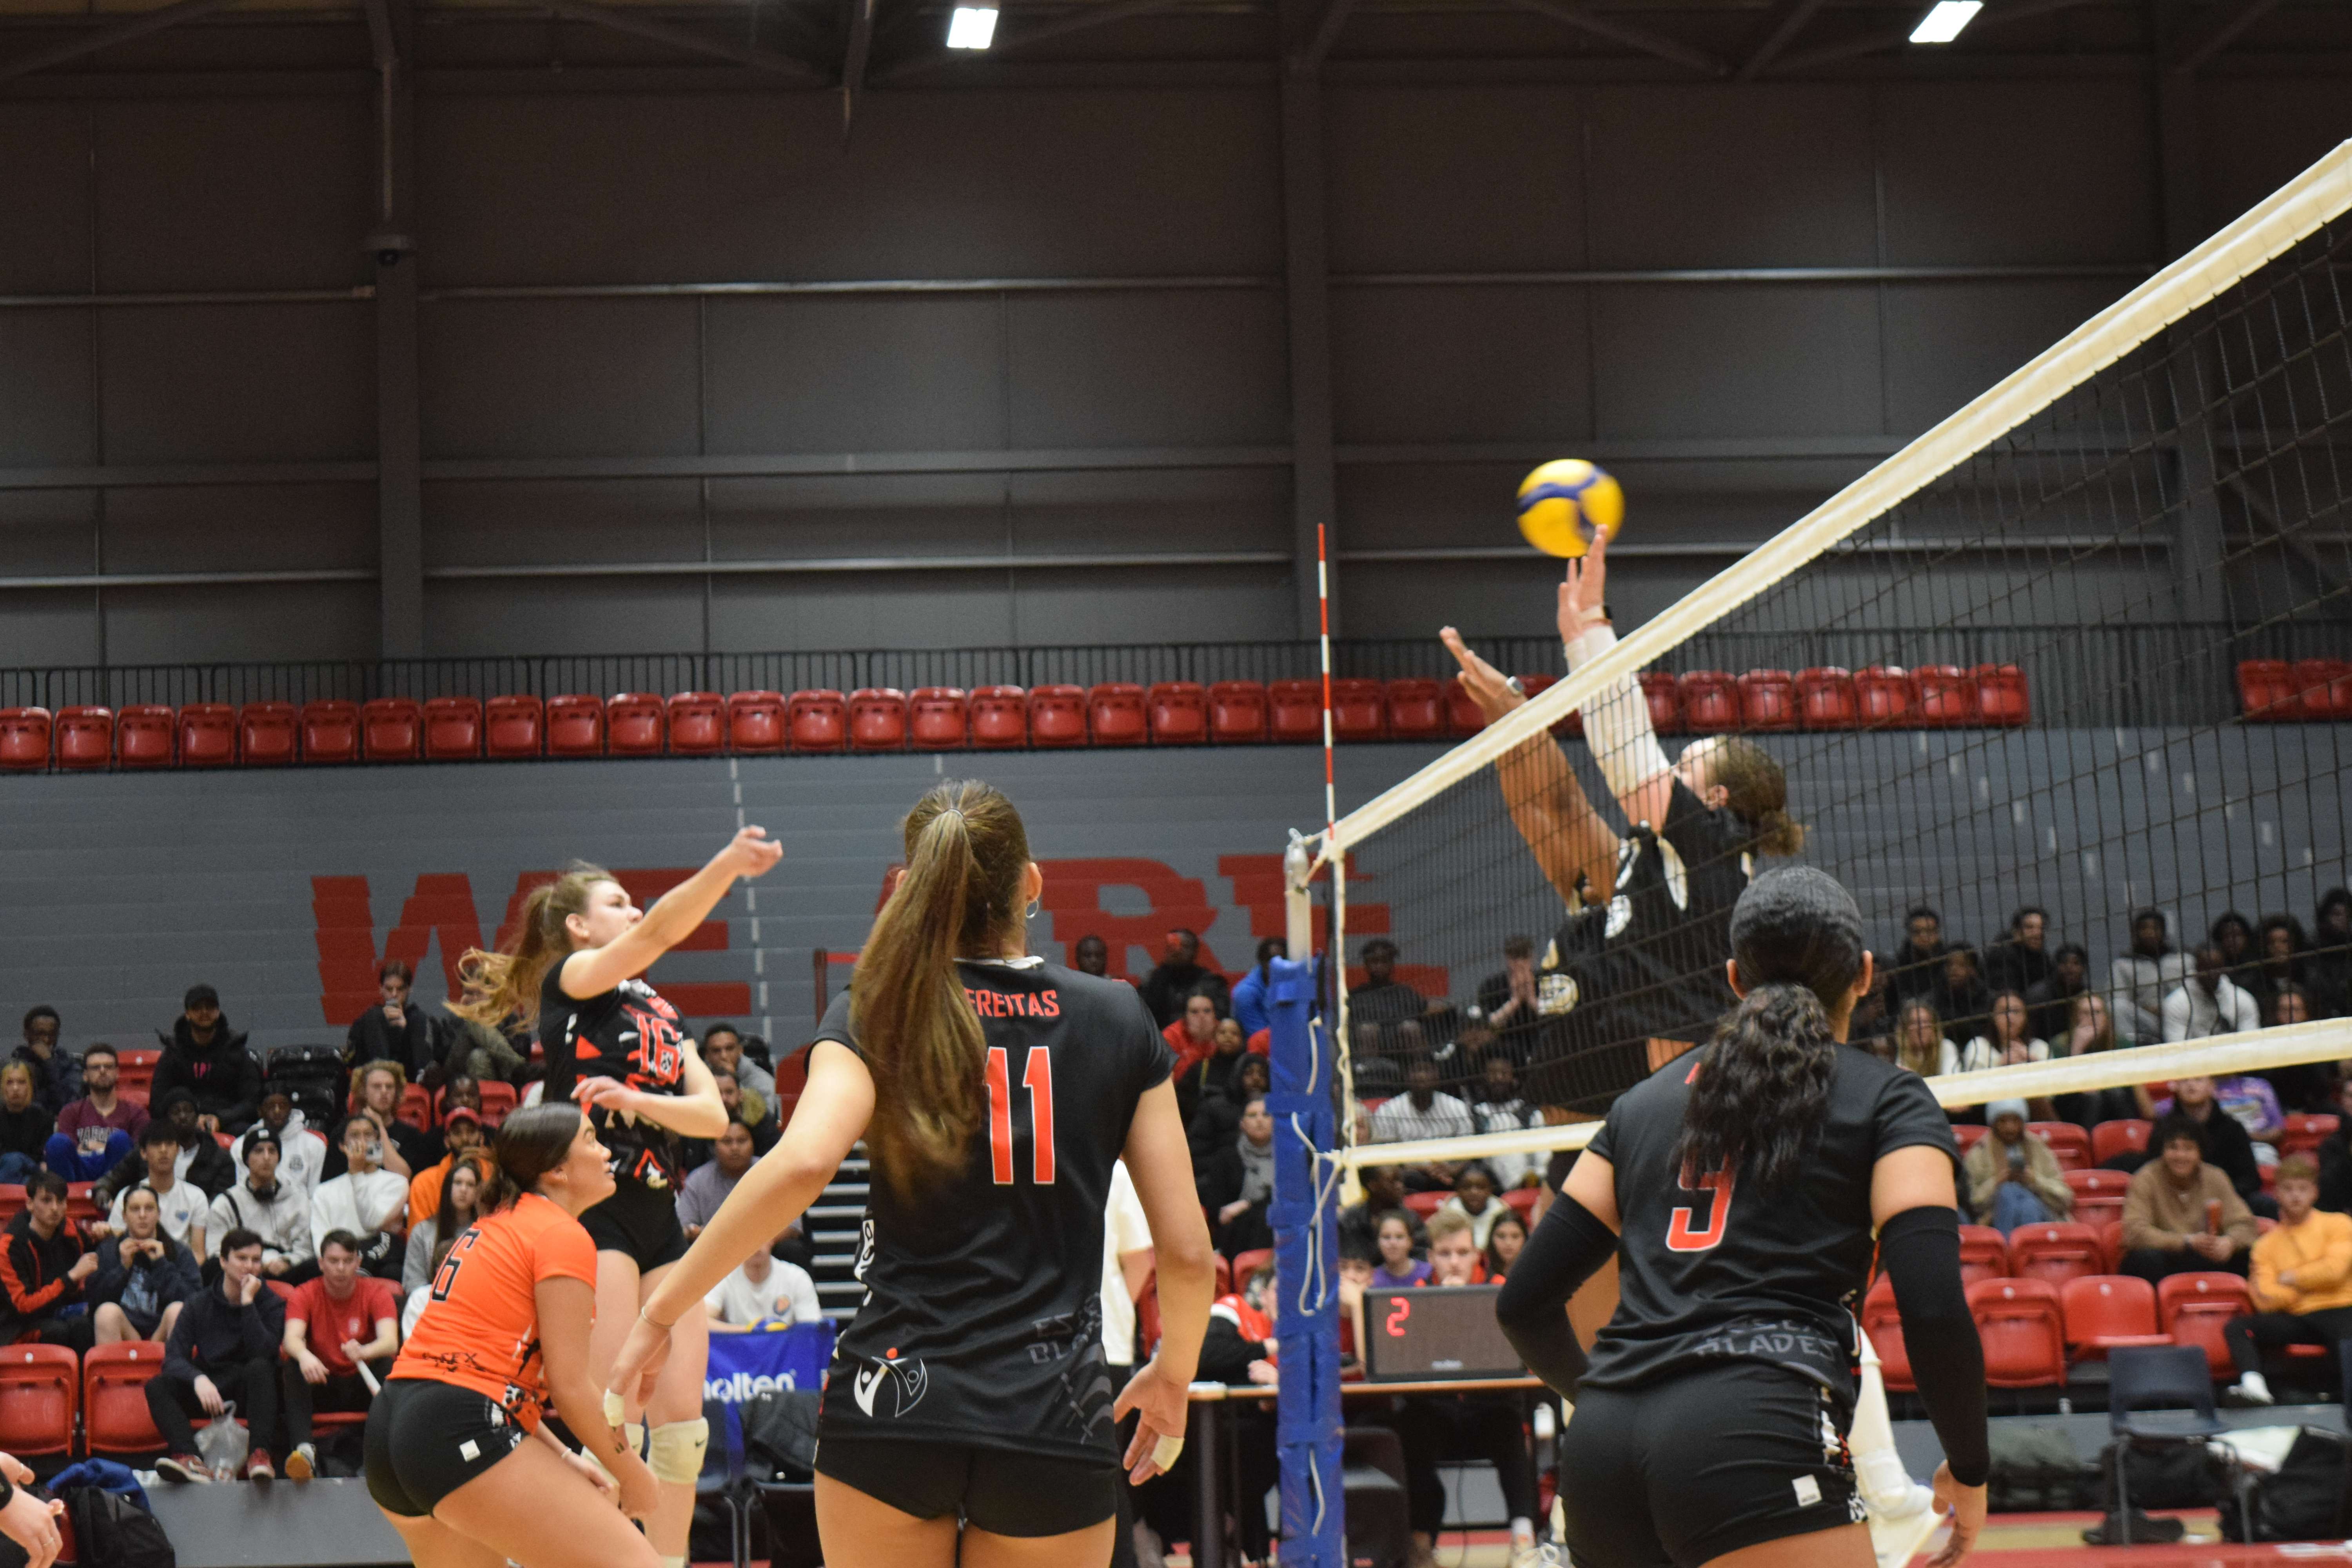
x,y
1740,1194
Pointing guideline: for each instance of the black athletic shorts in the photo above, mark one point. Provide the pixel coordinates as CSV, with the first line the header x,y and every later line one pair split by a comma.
x,y
426,1439
640,1222
1681,1471
995,1490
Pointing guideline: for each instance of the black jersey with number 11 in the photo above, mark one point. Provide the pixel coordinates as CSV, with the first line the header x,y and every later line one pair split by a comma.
x,y
982,1321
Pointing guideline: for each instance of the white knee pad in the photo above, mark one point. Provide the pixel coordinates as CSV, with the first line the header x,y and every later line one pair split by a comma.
x,y
677,1453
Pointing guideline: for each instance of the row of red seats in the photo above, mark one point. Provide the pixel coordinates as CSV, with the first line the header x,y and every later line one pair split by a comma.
x,y
1520,1198
2076,1150
2033,1330
947,718
2275,692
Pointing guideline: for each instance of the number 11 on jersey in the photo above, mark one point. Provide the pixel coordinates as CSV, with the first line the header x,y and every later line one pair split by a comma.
x,y
1037,1078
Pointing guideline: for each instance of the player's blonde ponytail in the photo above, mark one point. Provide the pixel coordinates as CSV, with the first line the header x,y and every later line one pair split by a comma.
x,y
960,896
508,981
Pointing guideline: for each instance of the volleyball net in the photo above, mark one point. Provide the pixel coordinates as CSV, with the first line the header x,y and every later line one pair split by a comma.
x,y
2080,651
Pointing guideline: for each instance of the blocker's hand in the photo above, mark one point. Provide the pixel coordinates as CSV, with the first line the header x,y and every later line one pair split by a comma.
x,y
1967,1507
752,853
1582,594
638,1365
1160,1404
1487,686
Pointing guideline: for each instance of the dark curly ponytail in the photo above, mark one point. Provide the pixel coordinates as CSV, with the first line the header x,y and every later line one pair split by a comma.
x,y
1763,1085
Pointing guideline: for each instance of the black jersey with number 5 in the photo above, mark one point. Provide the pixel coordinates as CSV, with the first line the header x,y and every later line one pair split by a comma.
x,y
982,1319
1708,1269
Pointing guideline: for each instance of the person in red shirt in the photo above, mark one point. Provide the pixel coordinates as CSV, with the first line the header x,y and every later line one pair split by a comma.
x,y
333,1323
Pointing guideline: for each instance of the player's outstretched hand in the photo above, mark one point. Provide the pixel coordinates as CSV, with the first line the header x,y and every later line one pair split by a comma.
x,y
1160,1404
1967,1507
1583,593
1487,686
637,1366
752,853
32,1523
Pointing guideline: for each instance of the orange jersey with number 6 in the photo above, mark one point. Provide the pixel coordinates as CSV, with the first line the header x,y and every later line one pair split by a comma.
x,y
480,1326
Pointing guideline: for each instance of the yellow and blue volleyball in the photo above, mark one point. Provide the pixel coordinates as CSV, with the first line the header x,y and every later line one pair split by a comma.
x,y
1564,503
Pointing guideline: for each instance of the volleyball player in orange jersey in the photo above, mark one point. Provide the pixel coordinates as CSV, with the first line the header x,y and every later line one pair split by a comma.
x,y
450,1456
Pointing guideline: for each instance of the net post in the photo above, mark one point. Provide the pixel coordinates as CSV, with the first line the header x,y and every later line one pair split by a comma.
x,y
1305,1246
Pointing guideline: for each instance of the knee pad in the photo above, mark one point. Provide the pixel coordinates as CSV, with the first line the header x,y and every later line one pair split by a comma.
x,y
677,1453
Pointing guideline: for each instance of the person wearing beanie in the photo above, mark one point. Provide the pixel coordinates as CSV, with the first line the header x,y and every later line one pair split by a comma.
x,y
2014,1178
277,1211
203,1056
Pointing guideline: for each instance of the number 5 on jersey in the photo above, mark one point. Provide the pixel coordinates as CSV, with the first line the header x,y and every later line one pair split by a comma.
x,y
1681,1235
1037,1078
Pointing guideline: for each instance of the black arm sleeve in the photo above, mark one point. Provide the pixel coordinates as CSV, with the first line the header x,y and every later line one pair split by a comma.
x,y
1567,1248
1921,1250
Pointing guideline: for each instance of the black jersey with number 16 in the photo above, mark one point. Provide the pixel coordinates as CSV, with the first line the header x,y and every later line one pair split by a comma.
x,y
982,1319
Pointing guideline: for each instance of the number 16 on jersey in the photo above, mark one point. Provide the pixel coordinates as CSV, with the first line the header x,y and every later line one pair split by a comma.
x,y
1037,1078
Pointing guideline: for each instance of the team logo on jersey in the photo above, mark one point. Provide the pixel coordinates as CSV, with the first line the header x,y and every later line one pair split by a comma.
x,y
865,1250
1621,915
1554,993
897,1385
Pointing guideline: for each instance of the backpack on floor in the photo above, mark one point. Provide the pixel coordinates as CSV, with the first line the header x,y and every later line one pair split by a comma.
x,y
110,1528
2304,1501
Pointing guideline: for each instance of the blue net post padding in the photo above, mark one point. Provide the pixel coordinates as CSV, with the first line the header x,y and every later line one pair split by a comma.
x,y
1306,1254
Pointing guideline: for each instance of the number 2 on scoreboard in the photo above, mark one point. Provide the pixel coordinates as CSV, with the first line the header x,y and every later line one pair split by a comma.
x,y
1037,1078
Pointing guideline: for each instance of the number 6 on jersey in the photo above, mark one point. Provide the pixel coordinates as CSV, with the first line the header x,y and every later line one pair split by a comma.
x,y
1037,1078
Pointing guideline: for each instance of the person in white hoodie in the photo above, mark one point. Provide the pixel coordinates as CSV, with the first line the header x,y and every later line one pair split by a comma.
x,y
302,1149
366,1199
277,1211
2137,981
2209,1002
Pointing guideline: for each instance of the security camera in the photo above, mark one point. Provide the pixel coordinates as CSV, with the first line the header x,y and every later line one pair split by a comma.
x,y
390,247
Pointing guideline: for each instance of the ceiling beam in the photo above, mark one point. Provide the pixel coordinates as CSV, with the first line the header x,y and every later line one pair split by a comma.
x,y
1575,15
685,38
1780,29
2218,34
106,37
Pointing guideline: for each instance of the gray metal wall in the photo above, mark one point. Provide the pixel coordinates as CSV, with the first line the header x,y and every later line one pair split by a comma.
x,y
145,439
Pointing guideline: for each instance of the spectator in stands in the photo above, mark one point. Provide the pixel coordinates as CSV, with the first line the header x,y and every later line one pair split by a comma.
x,y
2172,1206
392,1029
1421,1111
1437,1428
1506,1000
2014,1178
2233,933
722,1051
2335,1156
1916,967
201,1158
143,1278
98,1132
367,1201
741,1106
2228,1145
1961,997
1179,974
2252,1104
1502,1109
302,1149
278,1212
1382,998
1091,955
335,1324
2207,1003
223,1347
1919,1042
484,1052
406,1147
2282,944
763,1289
707,1185
2018,961
25,1125
1398,1268
45,1270
203,1056
1240,1349
2053,999
2140,980
57,1072
461,1134
1194,1035
2328,968
2006,1041
1505,1239
187,1207
1215,1126
1473,1199
1214,1075
2300,1283
2090,1028
1236,1184
1359,1223
458,1206
1251,1003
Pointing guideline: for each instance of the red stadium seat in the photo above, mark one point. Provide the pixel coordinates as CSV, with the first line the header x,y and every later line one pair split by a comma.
x,y
1295,710
939,719
1464,717
575,726
2056,1252
1709,700
25,739
1948,696
2305,1132
453,729
497,1100
1416,710
817,719
1426,1204
2266,689
2324,687
145,736
1984,1254
1000,718
1116,714
114,1400
13,1199
1522,1201
1666,702
1568,729
2068,1143
755,721
698,724
1966,1134
878,719
1223,1285
1057,715
2098,1199
1825,698
416,1105
392,729
1248,1262
1767,699
2192,1308
267,734
1237,712
1359,710
207,735
2109,1139
82,1203
635,724
515,726
330,730
85,738
1883,698
2108,1311
1179,713
136,1069
2024,1336
40,1392
2002,697
1883,1323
